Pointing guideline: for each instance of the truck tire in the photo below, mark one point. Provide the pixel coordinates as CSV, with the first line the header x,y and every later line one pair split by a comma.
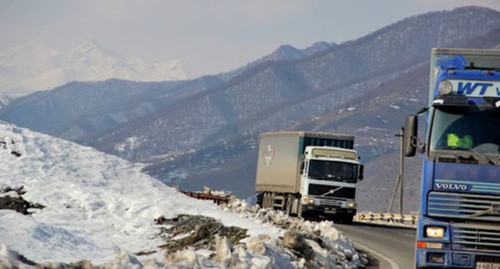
x,y
346,218
292,206
289,205
267,200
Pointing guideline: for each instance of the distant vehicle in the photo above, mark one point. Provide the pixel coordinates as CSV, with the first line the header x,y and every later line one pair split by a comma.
x,y
459,222
308,174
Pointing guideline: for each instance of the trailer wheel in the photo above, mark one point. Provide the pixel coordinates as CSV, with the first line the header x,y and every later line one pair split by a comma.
x,y
289,204
267,200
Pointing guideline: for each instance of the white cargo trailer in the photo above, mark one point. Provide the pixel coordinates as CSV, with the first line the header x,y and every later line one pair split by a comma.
x,y
308,174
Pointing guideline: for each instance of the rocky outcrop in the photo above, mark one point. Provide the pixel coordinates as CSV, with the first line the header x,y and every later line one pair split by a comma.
x,y
11,198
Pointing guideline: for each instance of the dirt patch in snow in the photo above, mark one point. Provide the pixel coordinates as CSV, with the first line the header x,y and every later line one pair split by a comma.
x,y
11,198
198,232
204,241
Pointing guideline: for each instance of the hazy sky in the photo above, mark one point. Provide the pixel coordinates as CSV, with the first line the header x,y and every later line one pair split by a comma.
x,y
208,36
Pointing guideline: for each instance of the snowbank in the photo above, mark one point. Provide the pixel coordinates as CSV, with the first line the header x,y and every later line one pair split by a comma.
x,y
102,209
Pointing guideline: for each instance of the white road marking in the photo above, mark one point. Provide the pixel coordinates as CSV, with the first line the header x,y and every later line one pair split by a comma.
x,y
410,235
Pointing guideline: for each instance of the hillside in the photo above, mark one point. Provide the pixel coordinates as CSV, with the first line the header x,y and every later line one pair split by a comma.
x,y
63,205
204,132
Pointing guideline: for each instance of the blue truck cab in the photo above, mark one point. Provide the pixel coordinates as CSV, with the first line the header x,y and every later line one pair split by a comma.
x,y
459,219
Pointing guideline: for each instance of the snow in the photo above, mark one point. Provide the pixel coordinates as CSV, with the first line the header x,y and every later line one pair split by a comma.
x,y
102,209
34,66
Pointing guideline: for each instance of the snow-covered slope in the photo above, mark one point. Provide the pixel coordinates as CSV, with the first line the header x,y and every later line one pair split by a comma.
x,y
95,203
34,66
92,201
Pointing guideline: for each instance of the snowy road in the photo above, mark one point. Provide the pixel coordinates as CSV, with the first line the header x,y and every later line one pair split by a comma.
x,y
392,246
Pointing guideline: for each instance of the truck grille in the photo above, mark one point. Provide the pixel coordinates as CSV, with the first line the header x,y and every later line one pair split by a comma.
x,y
464,206
318,190
476,237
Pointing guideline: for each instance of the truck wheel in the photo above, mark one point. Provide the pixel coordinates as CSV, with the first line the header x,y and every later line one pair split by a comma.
x,y
289,205
297,206
347,218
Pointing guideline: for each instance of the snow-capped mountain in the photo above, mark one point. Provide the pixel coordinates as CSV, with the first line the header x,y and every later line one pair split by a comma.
x,y
34,66
78,203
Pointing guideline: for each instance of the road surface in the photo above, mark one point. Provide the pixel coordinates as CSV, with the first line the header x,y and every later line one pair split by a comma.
x,y
393,247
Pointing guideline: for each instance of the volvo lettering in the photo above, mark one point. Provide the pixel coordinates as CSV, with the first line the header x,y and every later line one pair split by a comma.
x,y
446,186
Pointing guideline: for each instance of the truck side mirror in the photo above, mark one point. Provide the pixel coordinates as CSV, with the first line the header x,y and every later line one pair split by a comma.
x,y
410,135
361,172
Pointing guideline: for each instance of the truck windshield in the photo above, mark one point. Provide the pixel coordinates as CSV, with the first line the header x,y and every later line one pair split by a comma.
x,y
333,171
474,131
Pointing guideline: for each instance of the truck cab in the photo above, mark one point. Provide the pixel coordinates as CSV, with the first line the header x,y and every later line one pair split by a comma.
x,y
329,181
459,220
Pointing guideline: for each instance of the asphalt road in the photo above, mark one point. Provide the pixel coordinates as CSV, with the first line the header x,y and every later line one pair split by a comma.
x,y
393,247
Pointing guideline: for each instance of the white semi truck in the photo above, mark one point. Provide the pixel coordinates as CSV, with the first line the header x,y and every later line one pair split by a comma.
x,y
308,174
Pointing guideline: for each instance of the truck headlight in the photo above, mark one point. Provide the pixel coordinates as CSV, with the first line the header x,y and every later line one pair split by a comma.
x,y
434,232
445,87
307,200
351,204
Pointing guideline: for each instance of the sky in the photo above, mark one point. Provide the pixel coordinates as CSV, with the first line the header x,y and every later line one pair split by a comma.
x,y
207,36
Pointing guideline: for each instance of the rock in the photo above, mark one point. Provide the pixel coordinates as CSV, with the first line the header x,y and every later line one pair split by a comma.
x,y
296,241
17,203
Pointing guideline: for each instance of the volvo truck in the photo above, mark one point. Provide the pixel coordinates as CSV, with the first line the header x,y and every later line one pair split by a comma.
x,y
459,219
308,174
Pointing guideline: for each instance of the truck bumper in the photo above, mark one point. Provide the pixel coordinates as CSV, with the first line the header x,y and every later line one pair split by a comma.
x,y
327,210
436,258
463,245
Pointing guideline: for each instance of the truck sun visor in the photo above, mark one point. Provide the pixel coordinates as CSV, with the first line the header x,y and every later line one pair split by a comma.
x,y
455,62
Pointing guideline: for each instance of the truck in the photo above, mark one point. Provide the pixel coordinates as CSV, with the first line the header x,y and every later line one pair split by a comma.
x,y
459,215
308,174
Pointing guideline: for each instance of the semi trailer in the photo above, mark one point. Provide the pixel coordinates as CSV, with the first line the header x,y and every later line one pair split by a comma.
x,y
308,174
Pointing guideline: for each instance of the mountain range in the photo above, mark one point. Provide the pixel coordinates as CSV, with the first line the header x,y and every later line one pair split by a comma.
x,y
204,132
34,66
